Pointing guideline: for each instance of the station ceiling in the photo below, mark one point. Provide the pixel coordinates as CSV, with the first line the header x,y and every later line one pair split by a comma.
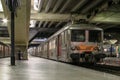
x,y
51,15
103,13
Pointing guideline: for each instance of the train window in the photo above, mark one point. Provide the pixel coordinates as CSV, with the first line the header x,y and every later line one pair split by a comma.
x,y
62,36
94,36
66,36
78,35
52,44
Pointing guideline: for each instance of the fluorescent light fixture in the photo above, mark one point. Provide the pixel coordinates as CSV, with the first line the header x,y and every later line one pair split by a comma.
x,y
32,26
1,8
36,4
37,40
113,41
5,20
32,23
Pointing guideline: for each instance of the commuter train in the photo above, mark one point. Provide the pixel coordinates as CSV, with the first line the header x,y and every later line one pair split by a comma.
x,y
4,50
73,43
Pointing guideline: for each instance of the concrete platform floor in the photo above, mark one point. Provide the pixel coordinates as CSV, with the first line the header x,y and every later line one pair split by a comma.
x,y
43,69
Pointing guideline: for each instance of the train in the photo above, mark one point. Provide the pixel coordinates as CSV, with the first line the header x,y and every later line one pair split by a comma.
x,y
4,50
73,43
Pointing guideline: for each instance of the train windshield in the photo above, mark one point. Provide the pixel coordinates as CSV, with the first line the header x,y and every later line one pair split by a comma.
x,y
95,36
78,35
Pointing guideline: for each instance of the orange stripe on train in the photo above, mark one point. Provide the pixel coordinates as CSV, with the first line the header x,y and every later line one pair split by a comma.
x,y
85,47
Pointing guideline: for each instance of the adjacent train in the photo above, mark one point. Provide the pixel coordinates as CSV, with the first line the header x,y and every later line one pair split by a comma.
x,y
4,50
73,43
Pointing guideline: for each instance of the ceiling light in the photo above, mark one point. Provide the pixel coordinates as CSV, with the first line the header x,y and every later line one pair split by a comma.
x,y
32,23
36,4
5,20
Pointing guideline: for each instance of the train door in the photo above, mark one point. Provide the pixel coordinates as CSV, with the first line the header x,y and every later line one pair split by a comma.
x,y
59,46
62,47
48,50
67,44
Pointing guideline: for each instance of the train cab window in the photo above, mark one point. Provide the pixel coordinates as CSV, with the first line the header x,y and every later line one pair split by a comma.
x,y
78,35
95,36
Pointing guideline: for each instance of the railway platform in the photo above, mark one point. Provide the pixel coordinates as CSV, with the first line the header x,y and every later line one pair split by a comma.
x,y
113,61
42,69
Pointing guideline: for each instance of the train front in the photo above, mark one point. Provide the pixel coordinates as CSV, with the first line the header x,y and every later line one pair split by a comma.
x,y
86,45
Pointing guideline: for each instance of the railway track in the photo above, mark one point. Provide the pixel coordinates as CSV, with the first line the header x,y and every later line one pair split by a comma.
x,y
104,68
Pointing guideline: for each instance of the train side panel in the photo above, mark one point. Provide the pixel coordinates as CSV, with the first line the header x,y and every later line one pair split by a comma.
x,y
73,43
4,50
44,53
53,49
40,51
63,43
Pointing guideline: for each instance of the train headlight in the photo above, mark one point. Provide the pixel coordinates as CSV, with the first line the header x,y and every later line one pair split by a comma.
x,y
105,50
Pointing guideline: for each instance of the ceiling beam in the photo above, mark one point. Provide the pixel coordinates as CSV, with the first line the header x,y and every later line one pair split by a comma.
x,y
58,24
45,24
44,29
65,5
48,29
111,26
95,3
79,5
55,17
43,35
40,23
107,17
59,2
40,4
34,32
49,3
50,24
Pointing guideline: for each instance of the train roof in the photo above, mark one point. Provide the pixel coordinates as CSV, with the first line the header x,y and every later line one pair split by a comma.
x,y
76,26
3,44
84,26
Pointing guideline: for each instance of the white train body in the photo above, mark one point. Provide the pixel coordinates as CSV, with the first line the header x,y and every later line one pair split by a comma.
x,y
74,43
